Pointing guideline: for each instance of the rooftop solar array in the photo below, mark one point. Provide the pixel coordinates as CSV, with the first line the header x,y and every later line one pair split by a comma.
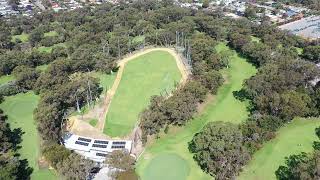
x,y
101,154
95,149
117,147
101,142
99,145
82,143
84,139
118,142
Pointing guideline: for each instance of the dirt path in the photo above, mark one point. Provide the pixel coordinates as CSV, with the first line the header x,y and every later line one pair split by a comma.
x,y
82,128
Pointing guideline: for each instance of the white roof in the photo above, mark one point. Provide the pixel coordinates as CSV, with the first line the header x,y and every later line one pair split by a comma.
x,y
94,149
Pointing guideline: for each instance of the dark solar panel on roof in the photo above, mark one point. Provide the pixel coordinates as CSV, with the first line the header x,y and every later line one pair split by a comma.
x,y
117,147
82,143
99,145
119,142
101,154
101,142
84,139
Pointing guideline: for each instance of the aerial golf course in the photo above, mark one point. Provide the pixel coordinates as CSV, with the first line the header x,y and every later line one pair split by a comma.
x,y
156,73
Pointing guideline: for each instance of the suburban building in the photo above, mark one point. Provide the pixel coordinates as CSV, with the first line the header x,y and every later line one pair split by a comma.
x,y
94,149
308,27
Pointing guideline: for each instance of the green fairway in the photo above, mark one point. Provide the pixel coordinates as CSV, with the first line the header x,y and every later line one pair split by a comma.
x,y
49,49
42,67
294,138
50,34
6,78
147,75
224,108
22,37
19,109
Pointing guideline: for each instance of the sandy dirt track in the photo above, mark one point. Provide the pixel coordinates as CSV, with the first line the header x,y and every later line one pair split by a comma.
x,y
82,128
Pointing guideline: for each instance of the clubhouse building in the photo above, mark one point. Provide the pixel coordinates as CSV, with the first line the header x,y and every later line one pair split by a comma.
x,y
94,149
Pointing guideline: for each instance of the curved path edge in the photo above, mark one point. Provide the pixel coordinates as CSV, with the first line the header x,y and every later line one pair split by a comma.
x,y
121,64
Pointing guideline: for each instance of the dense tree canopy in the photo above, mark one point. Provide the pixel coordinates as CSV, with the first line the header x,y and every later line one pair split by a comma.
x,y
218,150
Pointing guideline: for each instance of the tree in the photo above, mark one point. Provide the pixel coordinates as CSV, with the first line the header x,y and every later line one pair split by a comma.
x,y
212,80
219,150
295,169
35,36
120,160
250,12
127,175
205,4
26,77
312,53
75,167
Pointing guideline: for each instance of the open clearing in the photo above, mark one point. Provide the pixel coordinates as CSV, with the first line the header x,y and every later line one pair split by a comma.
x,y
19,109
49,49
105,80
22,37
224,108
149,74
50,34
6,78
293,138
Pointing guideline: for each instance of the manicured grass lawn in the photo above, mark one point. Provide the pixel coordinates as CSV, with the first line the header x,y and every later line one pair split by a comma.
x,y
49,49
224,108
93,122
147,75
50,33
267,160
23,37
6,78
19,109
159,167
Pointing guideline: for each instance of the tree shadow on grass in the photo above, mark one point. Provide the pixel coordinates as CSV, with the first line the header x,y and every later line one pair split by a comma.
x,y
24,171
16,139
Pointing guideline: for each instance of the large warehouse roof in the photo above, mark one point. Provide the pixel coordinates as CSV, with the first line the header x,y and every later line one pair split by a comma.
x,y
307,27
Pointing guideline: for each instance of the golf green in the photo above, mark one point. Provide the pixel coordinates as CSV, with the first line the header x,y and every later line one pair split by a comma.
x,y
19,109
293,138
147,75
224,107
167,166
